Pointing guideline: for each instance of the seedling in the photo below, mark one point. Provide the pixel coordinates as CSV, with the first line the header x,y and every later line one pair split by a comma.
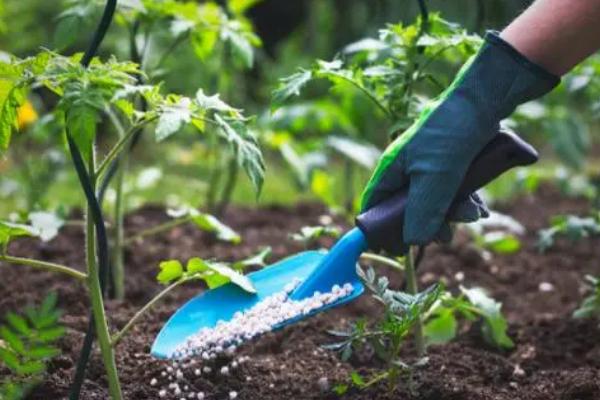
x,y
28,343
472,304
570,226
403,316
590,306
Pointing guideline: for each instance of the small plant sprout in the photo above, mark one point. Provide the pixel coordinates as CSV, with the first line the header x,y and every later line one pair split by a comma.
x,y
184,215
498,233
570,226
403,316
27,344
590,306
473,304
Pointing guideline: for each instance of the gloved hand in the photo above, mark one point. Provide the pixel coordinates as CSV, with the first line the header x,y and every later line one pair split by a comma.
x,y
433,155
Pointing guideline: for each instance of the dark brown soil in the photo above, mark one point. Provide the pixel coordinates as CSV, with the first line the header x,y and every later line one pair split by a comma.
x,y
555,357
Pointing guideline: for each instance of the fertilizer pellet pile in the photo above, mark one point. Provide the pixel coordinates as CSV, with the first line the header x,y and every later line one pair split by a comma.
x,y
208,344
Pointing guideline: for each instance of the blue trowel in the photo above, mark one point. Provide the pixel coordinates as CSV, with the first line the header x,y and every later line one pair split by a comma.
x,y
378,229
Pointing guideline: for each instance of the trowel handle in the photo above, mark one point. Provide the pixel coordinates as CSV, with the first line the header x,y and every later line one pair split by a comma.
x,y
382,224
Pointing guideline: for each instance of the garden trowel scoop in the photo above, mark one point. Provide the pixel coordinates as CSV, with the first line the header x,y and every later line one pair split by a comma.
x,y
379,228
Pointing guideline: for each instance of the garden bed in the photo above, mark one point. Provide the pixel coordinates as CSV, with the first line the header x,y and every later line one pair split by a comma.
x,y
555,357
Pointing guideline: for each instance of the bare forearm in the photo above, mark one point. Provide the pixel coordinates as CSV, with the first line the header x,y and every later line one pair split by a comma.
x,y
556,34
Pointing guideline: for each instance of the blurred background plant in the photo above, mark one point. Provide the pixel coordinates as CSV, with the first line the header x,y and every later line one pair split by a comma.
x,y
320,145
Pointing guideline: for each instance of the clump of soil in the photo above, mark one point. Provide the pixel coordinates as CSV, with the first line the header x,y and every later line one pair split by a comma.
x,y
555,357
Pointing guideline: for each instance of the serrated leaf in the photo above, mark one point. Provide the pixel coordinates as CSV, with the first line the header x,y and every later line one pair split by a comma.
x,y
291,86
213,103
172,119
169,271
241,47
235,277
211,224
244,146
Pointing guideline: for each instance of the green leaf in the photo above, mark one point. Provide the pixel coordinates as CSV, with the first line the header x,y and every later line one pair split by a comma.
x,y
291,86
196,265
9,230
12,339
211,224
172,119
357,379
340,389
9,358
81,125
495,325
441,328
235,277
213,103
11,99
311,233
239,7
244,145
31,368
258,260
241,47
43,352
364,154
68,31
169,271
18,323
501,242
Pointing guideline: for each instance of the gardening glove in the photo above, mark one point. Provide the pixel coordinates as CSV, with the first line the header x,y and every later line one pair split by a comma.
x,y
433,155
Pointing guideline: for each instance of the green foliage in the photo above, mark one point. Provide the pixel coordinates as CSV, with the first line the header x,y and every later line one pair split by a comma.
x,y
309,234
40,224
570,226
213,273
498,233
402,312
473,304
207,223
27,343
590,306
378,85
389,69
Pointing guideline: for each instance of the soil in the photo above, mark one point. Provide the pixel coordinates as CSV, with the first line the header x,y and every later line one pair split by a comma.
x,y
555,356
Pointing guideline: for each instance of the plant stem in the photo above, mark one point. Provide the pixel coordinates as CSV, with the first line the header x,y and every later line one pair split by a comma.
x,y
229,185
138,315
413,288
118,272
116,150
118,262
73,273
155,230
95,290
383,260
349,183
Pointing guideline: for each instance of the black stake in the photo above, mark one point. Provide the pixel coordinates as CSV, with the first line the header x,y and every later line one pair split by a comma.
x,y
94,205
